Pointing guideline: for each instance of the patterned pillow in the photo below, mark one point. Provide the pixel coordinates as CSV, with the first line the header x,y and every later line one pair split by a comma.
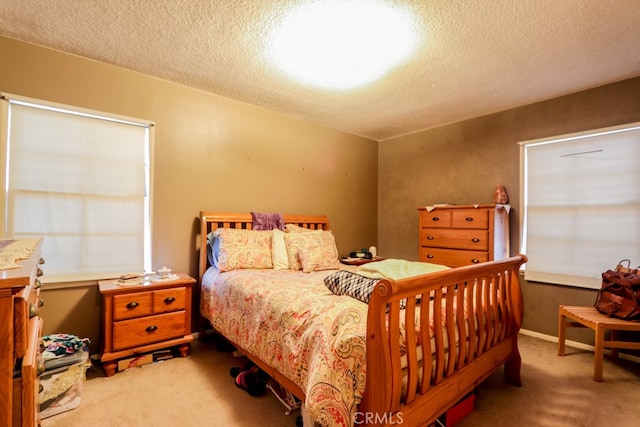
x,y
292,228
239,248
316,243
347,283
323,256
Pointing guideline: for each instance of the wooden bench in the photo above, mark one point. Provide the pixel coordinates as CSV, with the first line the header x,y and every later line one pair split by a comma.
x,y
589,317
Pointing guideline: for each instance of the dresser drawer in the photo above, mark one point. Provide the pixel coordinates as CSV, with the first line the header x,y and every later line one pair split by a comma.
x,y
452,257
149,329
32,367
436,218
129,306
470,218
26,306
477,240
172,299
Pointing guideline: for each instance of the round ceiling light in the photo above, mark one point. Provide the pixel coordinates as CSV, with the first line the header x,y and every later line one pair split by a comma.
x,y
339,44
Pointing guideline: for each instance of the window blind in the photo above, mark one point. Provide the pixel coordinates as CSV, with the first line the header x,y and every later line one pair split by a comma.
x,y
581,204
79,181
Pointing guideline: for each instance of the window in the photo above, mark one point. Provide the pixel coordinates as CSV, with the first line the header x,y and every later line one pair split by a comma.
x,y
581,204
79,180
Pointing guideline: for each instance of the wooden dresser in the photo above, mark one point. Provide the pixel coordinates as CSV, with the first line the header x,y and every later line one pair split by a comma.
x,y
457,235
143,318
20,333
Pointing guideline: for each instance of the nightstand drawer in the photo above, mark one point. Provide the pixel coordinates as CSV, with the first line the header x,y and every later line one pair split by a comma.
x,y
166,300
129,306
147,330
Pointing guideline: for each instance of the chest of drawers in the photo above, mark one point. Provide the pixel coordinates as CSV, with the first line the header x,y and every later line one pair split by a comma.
x,y
143,318
20,336
457,235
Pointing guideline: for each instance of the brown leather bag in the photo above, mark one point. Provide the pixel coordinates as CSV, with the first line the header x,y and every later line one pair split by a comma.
x,y
619,295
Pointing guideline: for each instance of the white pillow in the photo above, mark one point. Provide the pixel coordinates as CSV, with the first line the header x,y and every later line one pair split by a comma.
x,y
279,251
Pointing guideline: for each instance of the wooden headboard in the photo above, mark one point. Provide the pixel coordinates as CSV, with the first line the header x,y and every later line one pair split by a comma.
x,y
210,221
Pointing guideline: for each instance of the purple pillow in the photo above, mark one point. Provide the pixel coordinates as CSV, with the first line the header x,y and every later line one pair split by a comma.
x,y
267,221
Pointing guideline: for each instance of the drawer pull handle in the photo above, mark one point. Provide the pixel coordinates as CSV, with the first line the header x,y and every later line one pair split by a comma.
x,y
132,305
151,328
39,273
475,261
435,218
40,302
169,300
429,256
37,284
429,237
33,310
41,261
475,240
469,218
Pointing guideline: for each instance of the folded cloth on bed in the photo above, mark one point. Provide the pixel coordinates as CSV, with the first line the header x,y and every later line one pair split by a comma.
x,y
397,269
346,283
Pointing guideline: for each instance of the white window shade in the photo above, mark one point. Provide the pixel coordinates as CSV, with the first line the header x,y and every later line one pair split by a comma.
x,y
80,182
581,205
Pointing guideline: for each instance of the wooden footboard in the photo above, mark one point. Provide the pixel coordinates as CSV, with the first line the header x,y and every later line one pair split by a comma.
x,y
476,312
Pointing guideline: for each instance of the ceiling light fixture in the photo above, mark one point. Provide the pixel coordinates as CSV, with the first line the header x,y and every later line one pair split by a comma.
x,y
337,44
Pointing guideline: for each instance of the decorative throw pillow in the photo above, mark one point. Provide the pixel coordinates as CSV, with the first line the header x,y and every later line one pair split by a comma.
x,y
279,251
320,254
239,248
267,221
316,240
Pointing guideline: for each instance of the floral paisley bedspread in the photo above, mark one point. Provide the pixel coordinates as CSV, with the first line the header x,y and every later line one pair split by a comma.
x,y
291,321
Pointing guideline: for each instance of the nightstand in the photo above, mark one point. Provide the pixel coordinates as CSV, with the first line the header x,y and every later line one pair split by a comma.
x,y
145,317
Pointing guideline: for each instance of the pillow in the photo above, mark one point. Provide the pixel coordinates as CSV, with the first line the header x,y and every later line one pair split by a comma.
x,y
213,249
279,256
267,221
292,228
320,254
239,248
347,283
317,241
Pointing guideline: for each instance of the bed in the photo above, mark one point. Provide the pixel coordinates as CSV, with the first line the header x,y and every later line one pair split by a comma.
x,y
416,347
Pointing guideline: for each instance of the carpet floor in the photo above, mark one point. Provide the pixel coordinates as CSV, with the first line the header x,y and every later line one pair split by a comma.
x,y
199,391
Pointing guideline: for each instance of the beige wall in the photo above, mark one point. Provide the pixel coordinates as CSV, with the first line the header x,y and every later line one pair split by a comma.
x,y
461,164
210,153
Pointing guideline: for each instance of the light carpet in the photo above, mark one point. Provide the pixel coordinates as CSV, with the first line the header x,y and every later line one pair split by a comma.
x,y
199,391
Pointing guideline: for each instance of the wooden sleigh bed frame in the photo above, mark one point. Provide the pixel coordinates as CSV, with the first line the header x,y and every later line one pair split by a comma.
x,y
399,390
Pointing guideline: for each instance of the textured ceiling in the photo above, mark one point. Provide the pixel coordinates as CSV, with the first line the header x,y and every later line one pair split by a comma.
x,y
477,56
